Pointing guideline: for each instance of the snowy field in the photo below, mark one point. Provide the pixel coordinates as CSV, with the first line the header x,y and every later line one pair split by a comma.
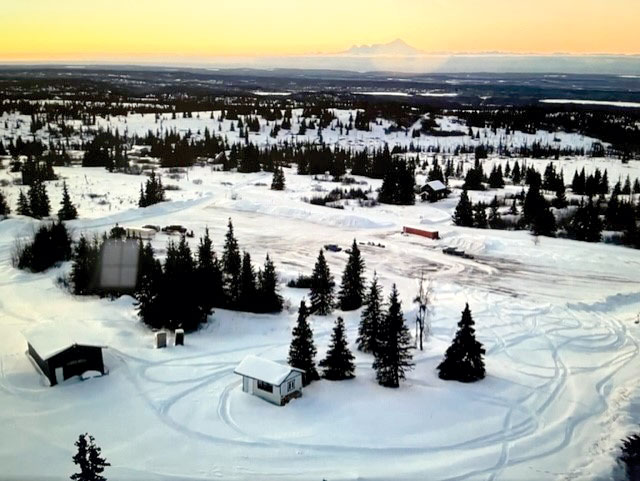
x,y
13,125
557,317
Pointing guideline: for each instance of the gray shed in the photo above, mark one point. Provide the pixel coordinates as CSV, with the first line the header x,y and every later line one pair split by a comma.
x,y
274,382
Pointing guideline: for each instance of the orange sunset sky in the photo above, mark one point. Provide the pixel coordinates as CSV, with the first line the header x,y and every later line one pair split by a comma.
x,y
42,30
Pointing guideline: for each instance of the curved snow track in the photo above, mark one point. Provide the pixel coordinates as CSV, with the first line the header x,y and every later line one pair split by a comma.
x,y
560,365
540,422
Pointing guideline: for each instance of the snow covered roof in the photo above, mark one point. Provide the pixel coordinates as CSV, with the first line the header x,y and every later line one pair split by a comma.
x,y
436,185
49,339
264,370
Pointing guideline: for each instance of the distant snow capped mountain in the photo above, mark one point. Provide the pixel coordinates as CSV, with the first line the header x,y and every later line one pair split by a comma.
x,y
397,47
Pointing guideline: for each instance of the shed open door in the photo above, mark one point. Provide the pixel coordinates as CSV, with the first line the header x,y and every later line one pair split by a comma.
x,y
59,375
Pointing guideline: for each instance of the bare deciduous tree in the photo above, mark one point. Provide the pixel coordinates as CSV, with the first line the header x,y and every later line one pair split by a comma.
x,y
424,299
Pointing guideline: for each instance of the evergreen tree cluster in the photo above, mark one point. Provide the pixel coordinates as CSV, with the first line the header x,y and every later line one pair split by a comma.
x,y
468,214
50,245
475,177
182,292
203,283
496,180
35,203
585,225
590,185
152,192
30,148
384,333
629,456
398,185
106,150
552,180
36,171
338,363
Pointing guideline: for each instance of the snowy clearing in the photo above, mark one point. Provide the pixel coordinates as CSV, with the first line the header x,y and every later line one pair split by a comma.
x,y
557,319
591,102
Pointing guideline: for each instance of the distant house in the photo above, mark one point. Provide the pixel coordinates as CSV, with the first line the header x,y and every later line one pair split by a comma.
x,y
274,382
434,191
140,232
59,355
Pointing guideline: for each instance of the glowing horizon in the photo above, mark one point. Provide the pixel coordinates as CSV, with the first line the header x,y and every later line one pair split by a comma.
x,y
157,30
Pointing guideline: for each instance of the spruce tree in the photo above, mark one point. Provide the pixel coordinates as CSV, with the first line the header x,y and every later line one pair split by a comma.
x,y
513,210
248,299
338,364
23,205
4,207
67,210
463,359
544,223
560,201
586,224
278,182
494,219
153,191
232,266
302,351
479,216
352,286
269,299
142,201
516,175
89,460
371,319
39,205
393,356
495,178
209,276
180,295
83,270
322,284
463,215
536,211
149,287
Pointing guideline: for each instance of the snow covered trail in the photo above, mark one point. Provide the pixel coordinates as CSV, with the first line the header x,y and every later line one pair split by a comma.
x,y
556,318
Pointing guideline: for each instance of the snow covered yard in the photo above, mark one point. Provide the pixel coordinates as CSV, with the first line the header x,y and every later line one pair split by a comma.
x,y
557,319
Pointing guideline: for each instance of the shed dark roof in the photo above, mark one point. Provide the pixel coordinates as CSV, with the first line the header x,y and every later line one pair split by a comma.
x,y
49,339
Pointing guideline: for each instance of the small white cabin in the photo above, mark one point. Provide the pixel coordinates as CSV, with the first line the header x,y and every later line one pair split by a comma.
x,y
274,382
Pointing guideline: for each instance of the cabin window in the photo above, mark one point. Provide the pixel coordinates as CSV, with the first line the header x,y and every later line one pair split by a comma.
x,y
291,385
265,386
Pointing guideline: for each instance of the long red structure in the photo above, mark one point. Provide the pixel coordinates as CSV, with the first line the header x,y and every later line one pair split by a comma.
x,y
424,233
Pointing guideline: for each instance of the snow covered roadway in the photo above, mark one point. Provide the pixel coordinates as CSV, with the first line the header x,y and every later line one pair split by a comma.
x,y
557,317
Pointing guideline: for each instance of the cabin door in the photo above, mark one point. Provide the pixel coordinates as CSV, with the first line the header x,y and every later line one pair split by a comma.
x,y
59,374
